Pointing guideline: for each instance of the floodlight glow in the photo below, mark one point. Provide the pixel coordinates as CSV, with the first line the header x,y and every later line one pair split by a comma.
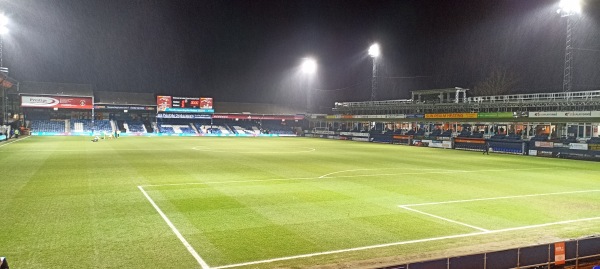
x,y
3,30
3,20
374,50
309,66
570,6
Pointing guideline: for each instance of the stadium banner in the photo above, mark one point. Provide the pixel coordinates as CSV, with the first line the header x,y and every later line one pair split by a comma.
x,y
578,146
257,117
532,152
470,140
387,116
182,116
494,115
360,134
559,253
333,117
451,116
395,116
125,107
57,102
434,143
594,146
447,144
324,132
188,110
361,139
544,144
565,114
415,116
402,136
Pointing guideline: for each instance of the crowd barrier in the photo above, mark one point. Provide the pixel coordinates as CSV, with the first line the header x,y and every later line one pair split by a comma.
x,y
569,253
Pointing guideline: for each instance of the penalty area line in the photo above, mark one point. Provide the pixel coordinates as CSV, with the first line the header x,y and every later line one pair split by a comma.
x,y
407,242
445,219
187,245
499,198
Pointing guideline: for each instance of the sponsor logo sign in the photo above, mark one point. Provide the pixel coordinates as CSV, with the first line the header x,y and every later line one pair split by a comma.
x,y
494,115
188,110
559,253
181,116
543,144
57,102
451,116
578,146
117,107
257,117
564,114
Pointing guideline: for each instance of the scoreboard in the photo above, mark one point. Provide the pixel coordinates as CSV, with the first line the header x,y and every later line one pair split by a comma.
x,y
184,104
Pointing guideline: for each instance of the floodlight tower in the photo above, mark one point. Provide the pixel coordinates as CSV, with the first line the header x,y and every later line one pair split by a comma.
x,y
3,31
567,9
374,52
309,67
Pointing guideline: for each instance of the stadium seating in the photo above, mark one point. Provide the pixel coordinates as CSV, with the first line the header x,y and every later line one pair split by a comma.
x,y
166,129
53,126
135,127
103,126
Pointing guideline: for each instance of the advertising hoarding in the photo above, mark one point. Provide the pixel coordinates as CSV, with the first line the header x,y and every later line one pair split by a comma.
x,y
451,116
57,102
565,114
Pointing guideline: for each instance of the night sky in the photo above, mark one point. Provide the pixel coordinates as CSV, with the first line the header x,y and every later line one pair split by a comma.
x,y
249,51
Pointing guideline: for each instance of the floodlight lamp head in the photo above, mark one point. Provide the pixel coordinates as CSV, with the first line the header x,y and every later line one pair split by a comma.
x,y
309,66
3,20
374,50
569,7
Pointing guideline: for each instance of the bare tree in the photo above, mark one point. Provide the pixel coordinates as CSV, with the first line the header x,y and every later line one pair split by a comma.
x,y
499,82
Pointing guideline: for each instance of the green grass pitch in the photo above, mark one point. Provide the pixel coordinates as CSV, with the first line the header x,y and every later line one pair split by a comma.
x,y
199,202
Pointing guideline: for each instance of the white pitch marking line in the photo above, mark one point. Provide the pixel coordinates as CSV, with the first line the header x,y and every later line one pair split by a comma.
x,y
252,152
499,198
371,169
350,176
187,245
406,243
14,141
445,219
442,172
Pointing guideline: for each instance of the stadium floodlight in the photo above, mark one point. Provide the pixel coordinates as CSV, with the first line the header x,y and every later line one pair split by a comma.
x,y
3,23
374,50
569,7
309,66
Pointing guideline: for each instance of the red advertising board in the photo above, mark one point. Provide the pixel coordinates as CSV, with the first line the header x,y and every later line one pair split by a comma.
x,y
57,102
559,253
